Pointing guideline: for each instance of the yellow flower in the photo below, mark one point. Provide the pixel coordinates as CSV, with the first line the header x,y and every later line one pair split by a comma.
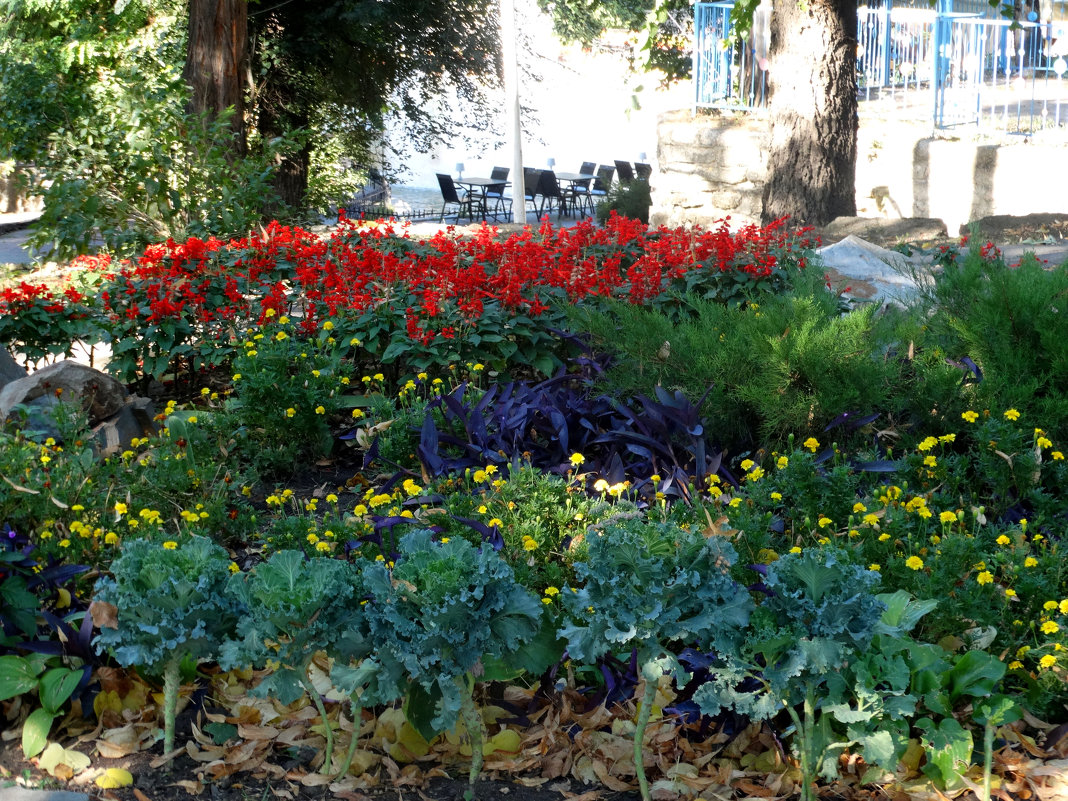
x,y
357,414
948,517
111,538
313,538
655,478
823,522
811,443
290,412
550,591
859,507
755,474
747,464
986,577
884,537
1050,627
529,543
1064,606
331,498
1042,442
776,496
970,416
322,547
379,377
170,545
120,509
795,549
495,521
577,459
782,462
234,567
735,503
600,485
1057,456
914,563
1048,661
875,566
1002,540
1049,606
1015,664
1012,414
328,326
1010,593
871,519
546,600
320,409
853,533
930,461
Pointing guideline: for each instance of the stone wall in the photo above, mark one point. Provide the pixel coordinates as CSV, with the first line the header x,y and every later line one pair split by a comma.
x,y
713,166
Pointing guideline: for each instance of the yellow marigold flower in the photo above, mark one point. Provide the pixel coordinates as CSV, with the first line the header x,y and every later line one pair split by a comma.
x,y
823,521
735,503
1042,442
655,478
550,591
884,537
1010,593
795,549
927,444
313,538
1048,661
170,545
529,543
812,444
546,600
1002,540
331,498
379,377
444,540
328,326
478,367
380,558
930,461
986,577
948,438
577,459
871,519
1012,414
1057,456
970,416
47,459
948,517
782,462
853,533
875,566
495,521
858,507
1050,627
1049,606
480,476
747,464
320,409
600,485
1064,606
914,563
322,547
755,474
776,496
291,412
1015,664
121,509
111,538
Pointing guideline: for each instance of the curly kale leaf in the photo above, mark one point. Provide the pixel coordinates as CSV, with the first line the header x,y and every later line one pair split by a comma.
x,y
296,606
646,585
822,613
171,603
441,608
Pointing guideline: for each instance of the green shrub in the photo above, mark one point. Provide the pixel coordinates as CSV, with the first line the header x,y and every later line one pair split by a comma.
x,y
631,199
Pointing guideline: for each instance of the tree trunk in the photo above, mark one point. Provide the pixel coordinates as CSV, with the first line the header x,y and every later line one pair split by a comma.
x,y
216,59
277,117
813,102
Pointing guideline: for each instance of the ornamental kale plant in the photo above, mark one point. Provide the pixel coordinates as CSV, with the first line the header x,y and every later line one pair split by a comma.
x,y
654,587
295,607
436,613
819,615
164,604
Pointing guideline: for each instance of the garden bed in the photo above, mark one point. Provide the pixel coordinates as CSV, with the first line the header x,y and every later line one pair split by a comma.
x,y
570,489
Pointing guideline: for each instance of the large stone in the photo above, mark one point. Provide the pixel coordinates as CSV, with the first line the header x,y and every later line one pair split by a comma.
x,y
884,231
134,419
868,272
98,393
10,370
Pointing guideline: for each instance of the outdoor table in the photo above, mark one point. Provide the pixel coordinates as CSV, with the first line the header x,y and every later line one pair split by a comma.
x,y
483,185
579,184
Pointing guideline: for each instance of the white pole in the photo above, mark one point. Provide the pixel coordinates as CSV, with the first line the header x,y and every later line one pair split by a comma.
x,y
509,52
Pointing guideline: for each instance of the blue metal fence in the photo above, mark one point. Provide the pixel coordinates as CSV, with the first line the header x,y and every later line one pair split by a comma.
x,y
957,64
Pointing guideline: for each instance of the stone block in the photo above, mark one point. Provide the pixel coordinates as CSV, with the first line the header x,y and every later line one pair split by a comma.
x,y
99,394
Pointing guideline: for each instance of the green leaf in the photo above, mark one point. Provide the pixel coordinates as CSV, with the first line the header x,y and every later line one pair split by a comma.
x,y
949,750
57,685
35,732
877,748
17,676
419,708
997,710
975,674
221,732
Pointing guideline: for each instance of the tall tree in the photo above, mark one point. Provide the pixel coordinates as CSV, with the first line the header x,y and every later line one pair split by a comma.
x,y
216,63
336,68
812,80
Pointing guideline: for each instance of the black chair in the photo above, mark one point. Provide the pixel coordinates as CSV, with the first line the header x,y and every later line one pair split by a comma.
x,y
625,172
495,194
602,183
643,171
450,196
531,184
581,190
551,194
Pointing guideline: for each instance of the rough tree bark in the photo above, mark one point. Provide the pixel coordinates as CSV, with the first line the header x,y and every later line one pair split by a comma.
x,y
216,59
813,102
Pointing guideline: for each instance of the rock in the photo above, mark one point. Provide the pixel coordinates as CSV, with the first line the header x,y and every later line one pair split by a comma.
x,y
100,395
1007,227
883,231
871,272
134,419
10,370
